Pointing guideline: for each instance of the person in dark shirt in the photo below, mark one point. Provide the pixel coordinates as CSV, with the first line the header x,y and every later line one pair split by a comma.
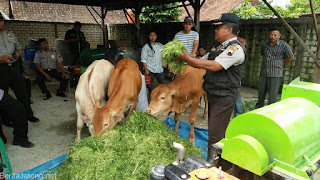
x,y
76,40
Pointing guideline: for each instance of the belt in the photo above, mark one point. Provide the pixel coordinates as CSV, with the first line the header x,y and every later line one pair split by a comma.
x,y
50,69
9,64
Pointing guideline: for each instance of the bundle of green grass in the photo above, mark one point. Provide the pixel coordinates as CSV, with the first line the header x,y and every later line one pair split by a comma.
x,y
171,50
125,152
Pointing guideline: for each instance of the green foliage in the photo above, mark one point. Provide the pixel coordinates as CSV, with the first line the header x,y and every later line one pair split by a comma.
x,y
247,11
125,152
302,6
171,50
161,14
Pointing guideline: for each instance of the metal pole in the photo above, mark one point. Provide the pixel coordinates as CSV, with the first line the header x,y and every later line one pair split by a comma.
x,y
293,33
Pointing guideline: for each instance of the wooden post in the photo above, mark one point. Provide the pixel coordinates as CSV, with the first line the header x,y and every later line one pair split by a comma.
x,y
137,23
316,74
103,28
196,8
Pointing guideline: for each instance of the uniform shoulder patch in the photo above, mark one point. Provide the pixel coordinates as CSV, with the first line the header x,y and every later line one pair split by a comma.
x,y
232,49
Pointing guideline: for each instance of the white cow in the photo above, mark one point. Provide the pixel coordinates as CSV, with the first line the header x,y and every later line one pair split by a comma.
x,y
90,93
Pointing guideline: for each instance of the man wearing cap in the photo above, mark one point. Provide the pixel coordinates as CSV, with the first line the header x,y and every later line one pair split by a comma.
x,y
10,74
224,66
276,54
188,37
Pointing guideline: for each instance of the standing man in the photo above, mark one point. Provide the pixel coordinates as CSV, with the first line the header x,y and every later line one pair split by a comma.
x,y
76,40
222,80
188,37
276,54
46,63
10,74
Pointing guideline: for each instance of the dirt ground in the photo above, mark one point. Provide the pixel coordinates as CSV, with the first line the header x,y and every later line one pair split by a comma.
x,y
54,135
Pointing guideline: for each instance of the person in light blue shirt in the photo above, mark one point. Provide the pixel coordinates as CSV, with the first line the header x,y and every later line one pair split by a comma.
x,y
151,59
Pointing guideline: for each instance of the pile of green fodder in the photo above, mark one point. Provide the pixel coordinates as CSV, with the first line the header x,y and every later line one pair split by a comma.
x,y
128,151
171,50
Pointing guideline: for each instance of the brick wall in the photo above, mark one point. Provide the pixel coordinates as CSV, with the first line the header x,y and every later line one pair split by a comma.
x,y
25,31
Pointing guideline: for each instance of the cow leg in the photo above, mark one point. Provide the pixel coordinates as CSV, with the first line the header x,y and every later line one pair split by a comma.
x,y
205,112
79,122
176,121
192,120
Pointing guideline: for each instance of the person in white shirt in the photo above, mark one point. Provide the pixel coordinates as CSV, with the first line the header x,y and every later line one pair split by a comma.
x,y
151,59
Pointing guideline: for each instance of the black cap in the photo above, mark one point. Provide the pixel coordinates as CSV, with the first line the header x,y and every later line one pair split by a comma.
x,y
188,19
227,18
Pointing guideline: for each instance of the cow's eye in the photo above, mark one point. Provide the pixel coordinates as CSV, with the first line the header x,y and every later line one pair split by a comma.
x,y
163,97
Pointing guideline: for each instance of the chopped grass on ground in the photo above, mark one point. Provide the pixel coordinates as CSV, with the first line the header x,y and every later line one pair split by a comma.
x,y
171,50
125,152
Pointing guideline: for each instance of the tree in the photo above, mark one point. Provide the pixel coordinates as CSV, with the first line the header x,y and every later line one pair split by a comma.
x,y
160,14
302,6
248,11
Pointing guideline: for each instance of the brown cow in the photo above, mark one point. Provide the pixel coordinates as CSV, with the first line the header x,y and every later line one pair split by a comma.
x,y
185,90
124,87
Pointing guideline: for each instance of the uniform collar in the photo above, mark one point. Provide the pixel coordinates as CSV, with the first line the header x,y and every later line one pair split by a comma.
x,y
229,40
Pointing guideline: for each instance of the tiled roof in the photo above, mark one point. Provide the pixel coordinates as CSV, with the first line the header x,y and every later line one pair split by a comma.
x,y
48,12
212,9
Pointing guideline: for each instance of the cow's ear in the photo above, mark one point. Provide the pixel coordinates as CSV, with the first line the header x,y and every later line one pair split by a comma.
x,y
174,92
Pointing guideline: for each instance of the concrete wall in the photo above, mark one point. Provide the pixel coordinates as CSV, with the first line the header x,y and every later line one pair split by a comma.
x,y
25,31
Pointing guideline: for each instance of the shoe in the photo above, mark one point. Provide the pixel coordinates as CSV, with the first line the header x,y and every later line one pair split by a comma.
x,y
34,119
61,94
25,144
47,96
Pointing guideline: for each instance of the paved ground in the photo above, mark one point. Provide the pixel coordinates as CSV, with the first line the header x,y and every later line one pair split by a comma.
x,y
54,135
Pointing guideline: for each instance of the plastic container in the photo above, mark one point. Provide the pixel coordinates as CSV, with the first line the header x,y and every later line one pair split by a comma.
x,y
30,52
147,79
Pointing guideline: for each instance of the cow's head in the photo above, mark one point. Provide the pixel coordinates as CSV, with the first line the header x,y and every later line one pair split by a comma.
x,y
106,118
161,100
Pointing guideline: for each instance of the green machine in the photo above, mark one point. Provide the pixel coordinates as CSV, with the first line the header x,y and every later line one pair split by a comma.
x,y
283,137
87,56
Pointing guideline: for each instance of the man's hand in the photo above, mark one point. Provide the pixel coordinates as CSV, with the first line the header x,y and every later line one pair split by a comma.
x,y
146,72
6,58
49,78
183,57
65,75
25,76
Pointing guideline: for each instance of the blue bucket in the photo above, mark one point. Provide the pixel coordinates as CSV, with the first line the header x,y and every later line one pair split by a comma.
x,y
30,52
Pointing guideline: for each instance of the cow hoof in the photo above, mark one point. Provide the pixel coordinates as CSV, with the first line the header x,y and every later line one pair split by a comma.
x,y
192,141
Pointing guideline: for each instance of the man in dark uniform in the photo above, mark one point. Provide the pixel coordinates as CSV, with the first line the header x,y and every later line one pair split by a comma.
x,y
76,40
17,114
222,80
46,63
10,74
